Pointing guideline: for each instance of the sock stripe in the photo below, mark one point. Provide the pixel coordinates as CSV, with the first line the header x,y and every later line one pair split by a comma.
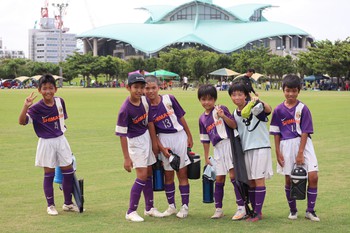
x,y
142,184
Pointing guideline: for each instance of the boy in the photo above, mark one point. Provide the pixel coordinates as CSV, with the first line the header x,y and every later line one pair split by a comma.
x,y
133,119
255,144
53,149
291,125
213,127
173,134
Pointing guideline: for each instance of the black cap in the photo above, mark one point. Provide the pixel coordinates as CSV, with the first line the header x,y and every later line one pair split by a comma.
x,y
136,78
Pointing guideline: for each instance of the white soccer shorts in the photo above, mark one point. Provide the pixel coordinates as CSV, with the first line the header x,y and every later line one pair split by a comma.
x,y
258,163
223,157
53,152
289,149
140,150
177,142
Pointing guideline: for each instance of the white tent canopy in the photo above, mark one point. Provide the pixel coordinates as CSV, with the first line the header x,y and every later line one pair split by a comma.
x,y
22,78
224,72
255,76
37,77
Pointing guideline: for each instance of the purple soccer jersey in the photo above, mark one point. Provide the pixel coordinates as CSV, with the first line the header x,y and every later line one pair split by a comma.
x,y
133,120
212,128
291,122
167,115
46,119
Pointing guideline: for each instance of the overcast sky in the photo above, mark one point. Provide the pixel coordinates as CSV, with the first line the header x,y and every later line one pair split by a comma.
x,y
323,19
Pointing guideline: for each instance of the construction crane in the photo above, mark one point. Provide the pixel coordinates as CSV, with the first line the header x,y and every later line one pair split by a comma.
x,y
89,14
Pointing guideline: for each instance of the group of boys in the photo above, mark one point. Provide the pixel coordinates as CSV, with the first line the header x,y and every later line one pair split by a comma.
x,y
150,124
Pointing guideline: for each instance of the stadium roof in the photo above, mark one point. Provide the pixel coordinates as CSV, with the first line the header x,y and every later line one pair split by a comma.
x,y
224,36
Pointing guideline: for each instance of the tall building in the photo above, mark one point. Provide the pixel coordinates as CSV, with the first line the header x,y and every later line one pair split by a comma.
x,y
196,23
8,53
51,42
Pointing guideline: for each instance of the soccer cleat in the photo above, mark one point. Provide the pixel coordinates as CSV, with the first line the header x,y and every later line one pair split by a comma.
x,y
312,216
170,211
71,208
183,212
293,215
218,214
240,214
134,217
51,210
153,212
256,217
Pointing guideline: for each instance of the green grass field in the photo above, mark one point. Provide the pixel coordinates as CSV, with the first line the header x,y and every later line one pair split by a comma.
x,y
92,118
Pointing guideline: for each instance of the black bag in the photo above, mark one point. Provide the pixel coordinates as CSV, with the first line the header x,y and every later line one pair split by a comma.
x,y
298,180
194,168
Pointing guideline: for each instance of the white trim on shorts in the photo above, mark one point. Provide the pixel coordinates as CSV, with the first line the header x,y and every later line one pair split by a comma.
x,y
52,152
177,142
140,150
289,149
258,163
223,157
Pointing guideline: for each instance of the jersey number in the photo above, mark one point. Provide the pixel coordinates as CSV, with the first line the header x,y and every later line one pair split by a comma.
x,y
166,123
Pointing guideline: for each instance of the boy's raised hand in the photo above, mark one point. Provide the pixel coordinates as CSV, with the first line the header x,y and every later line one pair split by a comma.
x,y
29,100
219,111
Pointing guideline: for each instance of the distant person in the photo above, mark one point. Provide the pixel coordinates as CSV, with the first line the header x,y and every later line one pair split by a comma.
x,y
185,83
267,85
246,79
291,125
47,117
170,84
134,120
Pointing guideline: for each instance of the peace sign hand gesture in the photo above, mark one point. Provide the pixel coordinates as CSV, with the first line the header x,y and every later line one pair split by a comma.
x,y
29,100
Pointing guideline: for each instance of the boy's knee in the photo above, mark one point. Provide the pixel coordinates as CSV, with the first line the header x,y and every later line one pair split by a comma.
x,y
313,179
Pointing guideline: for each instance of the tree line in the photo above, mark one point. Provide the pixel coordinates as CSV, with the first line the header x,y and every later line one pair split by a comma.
x,y
324,57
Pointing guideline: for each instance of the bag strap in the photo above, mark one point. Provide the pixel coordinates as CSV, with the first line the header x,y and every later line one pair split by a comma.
x,y
297,117
145,105
60,114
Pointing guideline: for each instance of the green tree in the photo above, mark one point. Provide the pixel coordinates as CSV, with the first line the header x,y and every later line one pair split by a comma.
x,y
278,66
327,57
82,64
11,67
136,64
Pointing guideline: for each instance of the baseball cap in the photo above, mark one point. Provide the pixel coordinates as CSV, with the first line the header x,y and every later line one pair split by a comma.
x,y
135,78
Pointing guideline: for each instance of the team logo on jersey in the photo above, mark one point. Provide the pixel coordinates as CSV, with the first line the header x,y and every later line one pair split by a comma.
x,y
298,115
50,119
137,119
213,125
169,106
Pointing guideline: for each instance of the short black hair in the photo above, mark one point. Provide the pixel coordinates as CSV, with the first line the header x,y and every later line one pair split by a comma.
x,y
291,81
152,79
207,90
47,78
251,70
238,86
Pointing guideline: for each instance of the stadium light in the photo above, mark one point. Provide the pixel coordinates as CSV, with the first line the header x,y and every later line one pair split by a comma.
x,y
60,7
